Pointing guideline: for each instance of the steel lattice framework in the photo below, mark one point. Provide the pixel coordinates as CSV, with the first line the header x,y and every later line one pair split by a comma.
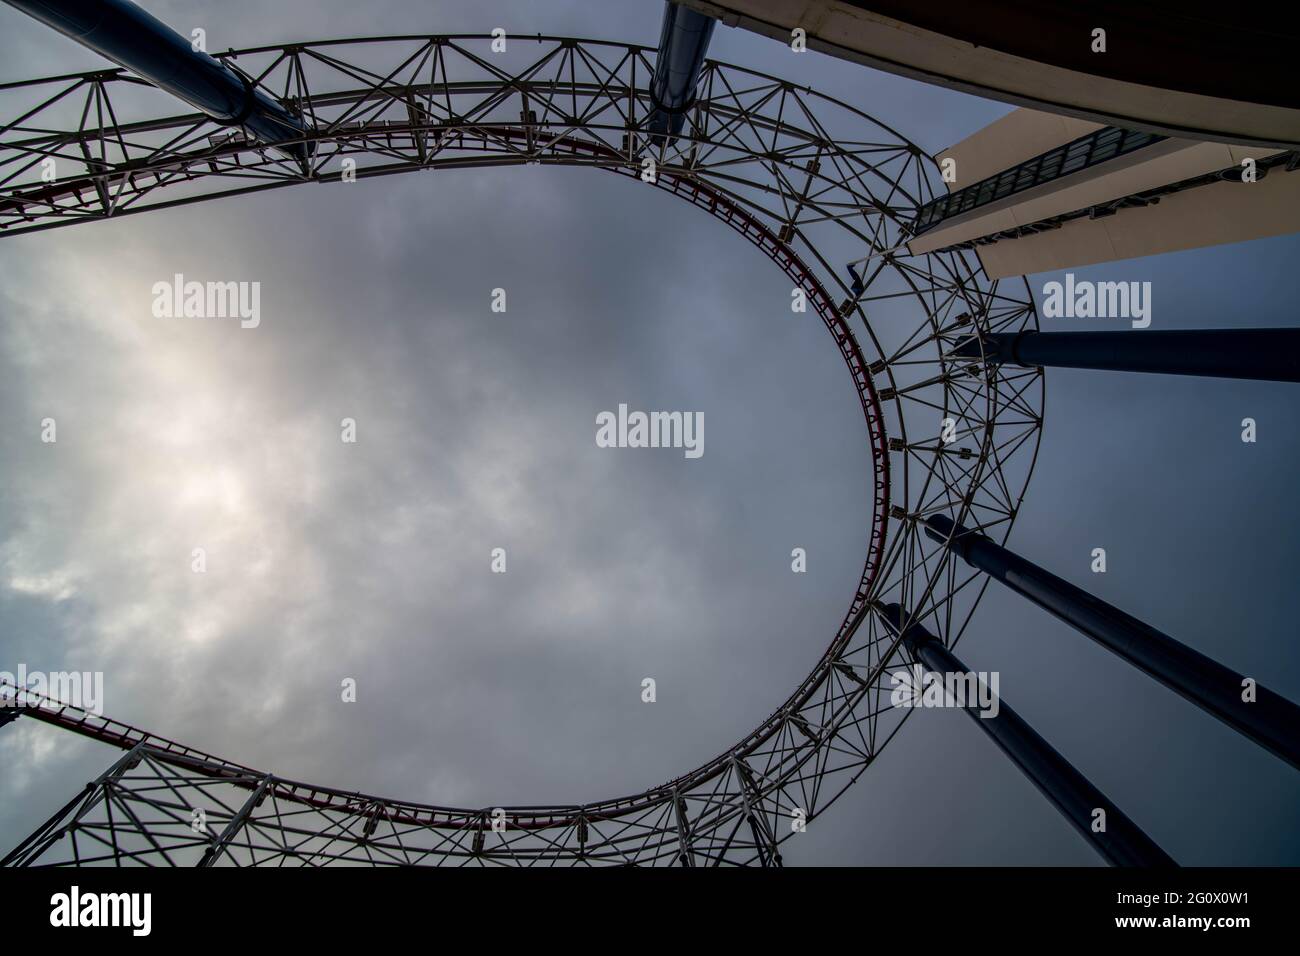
x,y
809,180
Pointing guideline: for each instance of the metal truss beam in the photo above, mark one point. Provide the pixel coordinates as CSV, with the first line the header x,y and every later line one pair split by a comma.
x,y
811,182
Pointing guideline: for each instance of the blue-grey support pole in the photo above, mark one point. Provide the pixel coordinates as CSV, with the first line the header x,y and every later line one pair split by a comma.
x,y
130,37
683,44
1264,354
1270,720
1122,842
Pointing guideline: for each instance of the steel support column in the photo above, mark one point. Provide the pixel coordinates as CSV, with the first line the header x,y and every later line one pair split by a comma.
x,y
1270,720
1266,354
54,829
48,832
685,851
213,853
1122,842
765,841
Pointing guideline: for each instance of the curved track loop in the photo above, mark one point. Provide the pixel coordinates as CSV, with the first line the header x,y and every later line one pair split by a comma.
x,y
809,180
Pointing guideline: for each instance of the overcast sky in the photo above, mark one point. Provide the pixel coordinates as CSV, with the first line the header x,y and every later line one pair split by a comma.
x,y
475,431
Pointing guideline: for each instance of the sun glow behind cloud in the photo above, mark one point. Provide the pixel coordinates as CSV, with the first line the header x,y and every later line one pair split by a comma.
x,y
160,450
327,560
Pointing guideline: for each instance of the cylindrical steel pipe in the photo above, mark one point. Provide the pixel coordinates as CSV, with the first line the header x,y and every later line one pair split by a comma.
x,y
130,37
1120,841
1265,354
683,44
1270,720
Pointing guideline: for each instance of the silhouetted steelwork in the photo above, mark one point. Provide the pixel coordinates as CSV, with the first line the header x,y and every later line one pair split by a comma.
x,y
683,44
1270,720
754,154
752,150
1267,354
1122,842
127,35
